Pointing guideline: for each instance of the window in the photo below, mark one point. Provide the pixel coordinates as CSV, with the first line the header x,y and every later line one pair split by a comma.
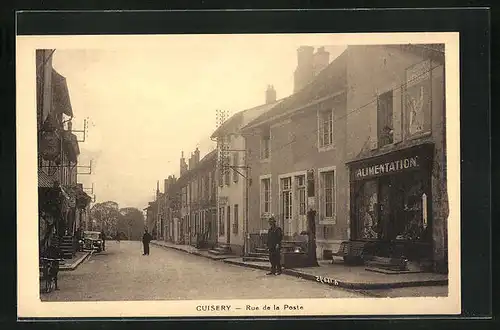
x,y
221,176
236,163
228,219
325,128
327,232
327,197
221,221
201,188
286,198
385,127
301,189
265,144
236,219
227,172
266,195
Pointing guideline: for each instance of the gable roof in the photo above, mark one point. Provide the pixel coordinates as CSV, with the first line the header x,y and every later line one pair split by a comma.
x,y
331,81
234,122
432,51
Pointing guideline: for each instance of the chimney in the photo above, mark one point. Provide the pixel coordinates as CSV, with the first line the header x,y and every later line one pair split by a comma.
x,y
196,156
270,94
166,185
183,164
304,72
321,60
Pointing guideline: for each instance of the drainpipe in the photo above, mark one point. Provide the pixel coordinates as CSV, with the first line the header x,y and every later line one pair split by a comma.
x,y
247,186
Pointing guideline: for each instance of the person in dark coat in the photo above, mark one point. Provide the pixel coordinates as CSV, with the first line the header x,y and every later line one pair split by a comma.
x,y
146,238
274,238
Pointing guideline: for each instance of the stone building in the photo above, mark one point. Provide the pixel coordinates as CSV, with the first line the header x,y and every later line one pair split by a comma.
x,y
396,149
306,141
231,174
367,136
61,200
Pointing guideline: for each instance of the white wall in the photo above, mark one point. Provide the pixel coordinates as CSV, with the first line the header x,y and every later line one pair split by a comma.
x,y
235,194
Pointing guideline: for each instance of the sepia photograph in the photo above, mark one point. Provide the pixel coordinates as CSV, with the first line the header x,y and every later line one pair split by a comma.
x,y
238,175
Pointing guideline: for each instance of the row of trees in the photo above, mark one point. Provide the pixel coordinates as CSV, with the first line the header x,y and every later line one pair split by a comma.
x,y
126,223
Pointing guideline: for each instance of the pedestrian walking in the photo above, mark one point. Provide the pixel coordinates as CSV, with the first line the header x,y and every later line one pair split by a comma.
x,y
103,237
274,238
146,238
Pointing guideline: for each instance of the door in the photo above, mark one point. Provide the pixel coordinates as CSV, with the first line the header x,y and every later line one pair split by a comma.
x,y
385,209
228,225
301,205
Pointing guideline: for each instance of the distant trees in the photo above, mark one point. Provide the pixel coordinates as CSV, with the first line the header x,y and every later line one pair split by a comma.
x,y
126,222
131,223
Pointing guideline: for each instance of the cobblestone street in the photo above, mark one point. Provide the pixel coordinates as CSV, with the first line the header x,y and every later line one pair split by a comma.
x,y
123,273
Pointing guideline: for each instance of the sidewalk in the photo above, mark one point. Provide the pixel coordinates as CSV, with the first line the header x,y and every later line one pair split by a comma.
x,y
73,263
192,250
353,277
340,275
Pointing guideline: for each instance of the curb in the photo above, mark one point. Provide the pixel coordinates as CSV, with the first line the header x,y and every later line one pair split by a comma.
x,y
344,284
195,253
75,264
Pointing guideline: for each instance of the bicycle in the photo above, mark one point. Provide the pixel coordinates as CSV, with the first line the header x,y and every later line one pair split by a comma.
x,y
49,268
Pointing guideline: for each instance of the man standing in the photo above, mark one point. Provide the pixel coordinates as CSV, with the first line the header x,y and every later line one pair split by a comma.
x,y
103,237
146,238
274,237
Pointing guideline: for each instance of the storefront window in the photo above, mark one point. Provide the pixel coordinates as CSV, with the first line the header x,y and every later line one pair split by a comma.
x,y
367,215
414,219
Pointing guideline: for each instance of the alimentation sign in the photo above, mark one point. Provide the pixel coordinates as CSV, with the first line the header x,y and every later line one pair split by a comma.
x,y
393,163
389,167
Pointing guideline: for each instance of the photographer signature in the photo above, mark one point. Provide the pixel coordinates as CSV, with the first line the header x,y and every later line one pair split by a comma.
x,y
327,280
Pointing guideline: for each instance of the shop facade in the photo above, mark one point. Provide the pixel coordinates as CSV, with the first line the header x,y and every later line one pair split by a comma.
x,y
391,202
396,152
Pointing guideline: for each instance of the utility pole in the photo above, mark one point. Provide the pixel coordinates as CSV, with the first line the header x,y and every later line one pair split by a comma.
x,y
223,150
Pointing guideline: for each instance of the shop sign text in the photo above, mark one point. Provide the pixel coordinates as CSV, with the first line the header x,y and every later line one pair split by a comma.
x,y
385,168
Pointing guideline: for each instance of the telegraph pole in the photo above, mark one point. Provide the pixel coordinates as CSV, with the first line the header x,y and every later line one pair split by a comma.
x,y
223,150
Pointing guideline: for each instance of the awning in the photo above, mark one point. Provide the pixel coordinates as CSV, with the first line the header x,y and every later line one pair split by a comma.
x,y
60,95
44,180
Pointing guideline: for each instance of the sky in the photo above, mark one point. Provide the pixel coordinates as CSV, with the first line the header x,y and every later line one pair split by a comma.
x,y
144,105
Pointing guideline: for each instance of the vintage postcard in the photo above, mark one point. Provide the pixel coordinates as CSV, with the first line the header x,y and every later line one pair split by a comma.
x,y
238,175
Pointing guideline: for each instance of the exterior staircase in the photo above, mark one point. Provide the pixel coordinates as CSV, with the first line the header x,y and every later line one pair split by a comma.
x,y
387,264
221,249
259,254
67,247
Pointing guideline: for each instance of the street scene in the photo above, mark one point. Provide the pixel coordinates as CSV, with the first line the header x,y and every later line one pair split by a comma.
x,y
242,168
122,273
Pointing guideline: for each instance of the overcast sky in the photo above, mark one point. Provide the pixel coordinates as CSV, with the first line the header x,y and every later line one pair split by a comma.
x,y
147,104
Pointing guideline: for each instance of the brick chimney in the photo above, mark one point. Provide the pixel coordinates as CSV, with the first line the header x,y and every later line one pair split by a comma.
x,y
191,162
321,60
196,156
270,94
184,166
304,72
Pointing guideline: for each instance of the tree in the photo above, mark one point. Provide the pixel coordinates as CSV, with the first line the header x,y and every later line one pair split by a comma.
x,y
106,215
131,223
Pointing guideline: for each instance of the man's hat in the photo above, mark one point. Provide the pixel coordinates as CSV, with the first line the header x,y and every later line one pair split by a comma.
x,y
272,218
